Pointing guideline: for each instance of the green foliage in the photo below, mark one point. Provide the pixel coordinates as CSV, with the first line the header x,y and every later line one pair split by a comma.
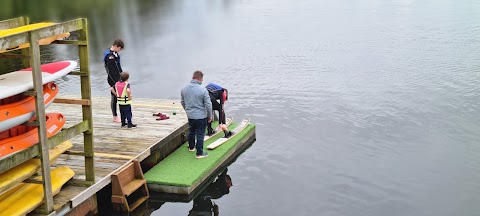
x,y
51,10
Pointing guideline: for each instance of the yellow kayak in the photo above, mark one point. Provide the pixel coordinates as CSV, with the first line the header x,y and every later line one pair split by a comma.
x,y
27,196
23,171
42,41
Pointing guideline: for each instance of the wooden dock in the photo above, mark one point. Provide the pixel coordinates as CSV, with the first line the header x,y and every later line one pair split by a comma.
x,y
100,147
114,146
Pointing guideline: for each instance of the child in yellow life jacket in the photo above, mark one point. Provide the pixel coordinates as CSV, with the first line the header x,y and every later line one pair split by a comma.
x,y
122,90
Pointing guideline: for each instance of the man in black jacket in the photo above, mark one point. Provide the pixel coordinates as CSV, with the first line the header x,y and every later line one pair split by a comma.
x,y
111,59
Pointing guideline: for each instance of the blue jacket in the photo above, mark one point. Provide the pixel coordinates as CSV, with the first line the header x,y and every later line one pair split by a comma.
x,y
211,87
196,101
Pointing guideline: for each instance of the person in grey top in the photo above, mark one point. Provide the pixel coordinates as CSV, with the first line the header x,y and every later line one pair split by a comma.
x,y
197,105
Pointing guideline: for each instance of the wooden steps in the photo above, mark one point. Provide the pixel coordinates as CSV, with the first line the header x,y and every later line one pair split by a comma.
x,y
126,182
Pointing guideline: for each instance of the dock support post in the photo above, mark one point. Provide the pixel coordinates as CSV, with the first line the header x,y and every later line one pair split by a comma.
x,y
42,128
26,51
86,109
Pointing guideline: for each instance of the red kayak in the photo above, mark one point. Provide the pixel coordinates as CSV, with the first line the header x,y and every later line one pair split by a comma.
x,y
22,137
16,110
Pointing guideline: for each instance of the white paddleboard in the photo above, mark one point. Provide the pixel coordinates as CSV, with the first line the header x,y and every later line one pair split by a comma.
x,y
20,81
228,121
235,131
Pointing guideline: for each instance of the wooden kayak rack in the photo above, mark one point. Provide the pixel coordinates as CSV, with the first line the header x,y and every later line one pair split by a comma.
x,y
126,183
30,57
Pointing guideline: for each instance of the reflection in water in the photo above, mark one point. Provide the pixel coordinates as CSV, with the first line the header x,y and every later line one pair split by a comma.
x,y
203,204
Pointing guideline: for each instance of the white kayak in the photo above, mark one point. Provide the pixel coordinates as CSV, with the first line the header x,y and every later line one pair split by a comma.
x,y
20,81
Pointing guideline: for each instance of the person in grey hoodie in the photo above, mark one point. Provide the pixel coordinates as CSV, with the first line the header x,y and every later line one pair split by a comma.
x,y
197,105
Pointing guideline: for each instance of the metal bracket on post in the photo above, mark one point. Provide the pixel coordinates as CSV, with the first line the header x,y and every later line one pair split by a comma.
x,y
41,119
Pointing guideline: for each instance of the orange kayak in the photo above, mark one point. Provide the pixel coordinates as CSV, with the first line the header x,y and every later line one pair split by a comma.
x,y
17,109
22,137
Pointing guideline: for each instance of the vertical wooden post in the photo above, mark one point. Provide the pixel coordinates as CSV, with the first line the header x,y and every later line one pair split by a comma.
x,y
42,127
26,51
86,109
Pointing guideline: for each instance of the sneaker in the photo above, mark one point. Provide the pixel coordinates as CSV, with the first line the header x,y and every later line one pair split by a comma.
x,y
124,125
191,149
228,134
158,114
205,154
116,119
132,126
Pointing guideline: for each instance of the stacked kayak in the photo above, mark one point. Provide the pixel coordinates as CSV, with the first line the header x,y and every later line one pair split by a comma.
x,y
25,197
18,131
17,108
20,81
42,41
22,137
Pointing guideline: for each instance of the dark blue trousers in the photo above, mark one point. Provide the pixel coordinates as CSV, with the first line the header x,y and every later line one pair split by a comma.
x,y
196,129
126,114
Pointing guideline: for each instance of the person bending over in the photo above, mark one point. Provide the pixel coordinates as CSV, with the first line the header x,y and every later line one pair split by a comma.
x,y
218,93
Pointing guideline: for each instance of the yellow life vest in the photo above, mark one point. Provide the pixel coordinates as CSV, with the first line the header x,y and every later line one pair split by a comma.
x,y
123,98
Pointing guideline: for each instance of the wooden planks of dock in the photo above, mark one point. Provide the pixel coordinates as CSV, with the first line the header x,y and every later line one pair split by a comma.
x,y
114,146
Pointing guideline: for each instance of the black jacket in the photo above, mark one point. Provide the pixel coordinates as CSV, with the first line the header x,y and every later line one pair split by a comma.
x,y
111,60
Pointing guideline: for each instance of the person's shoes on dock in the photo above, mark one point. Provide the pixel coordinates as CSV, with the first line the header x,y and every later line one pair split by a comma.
x,y
116,119
191,149
228,134
162,117
158,114
205,154
124,125
132,126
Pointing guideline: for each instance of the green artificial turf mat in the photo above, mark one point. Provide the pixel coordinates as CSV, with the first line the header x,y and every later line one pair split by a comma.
x,y
181,168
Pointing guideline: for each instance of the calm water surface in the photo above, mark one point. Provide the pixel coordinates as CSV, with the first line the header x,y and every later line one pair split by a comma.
x,y
362,107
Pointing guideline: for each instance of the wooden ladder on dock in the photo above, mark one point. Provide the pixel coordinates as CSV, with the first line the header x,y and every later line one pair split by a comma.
x,y
129,181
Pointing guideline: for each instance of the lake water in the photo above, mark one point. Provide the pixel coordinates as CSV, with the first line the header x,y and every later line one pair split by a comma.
x,y
363,108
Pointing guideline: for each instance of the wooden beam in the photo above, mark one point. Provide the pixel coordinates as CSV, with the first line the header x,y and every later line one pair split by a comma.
x,y
17,158
30,93
78,73
46,32
31,123
75,42
67,134
85,87
26,51
33,180
15,56
83,102
78,153
13,23
80,183
42,129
